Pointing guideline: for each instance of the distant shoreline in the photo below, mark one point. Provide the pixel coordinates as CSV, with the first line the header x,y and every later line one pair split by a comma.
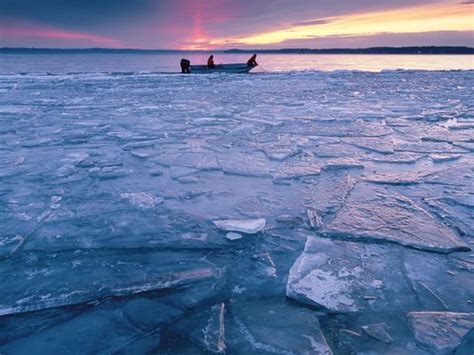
x,y
425,50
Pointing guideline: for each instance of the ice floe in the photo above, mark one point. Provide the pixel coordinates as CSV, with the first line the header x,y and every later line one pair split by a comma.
x,y
335,277
441,332
247,226
372,213
378,331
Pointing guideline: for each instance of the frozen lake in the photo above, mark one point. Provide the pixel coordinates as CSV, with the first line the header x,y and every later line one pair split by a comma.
x,y
296,212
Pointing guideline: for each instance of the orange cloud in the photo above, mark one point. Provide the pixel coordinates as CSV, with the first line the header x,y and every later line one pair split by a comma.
x,y
419,19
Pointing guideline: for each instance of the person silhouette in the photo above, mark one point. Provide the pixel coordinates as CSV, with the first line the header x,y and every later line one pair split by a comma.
x,y
252,62
210,62
185,66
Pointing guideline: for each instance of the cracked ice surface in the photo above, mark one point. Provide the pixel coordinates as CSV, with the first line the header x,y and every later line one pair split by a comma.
x,y
120,196
376,213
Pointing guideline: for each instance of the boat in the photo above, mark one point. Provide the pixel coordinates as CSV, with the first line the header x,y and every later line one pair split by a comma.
x,y
238,68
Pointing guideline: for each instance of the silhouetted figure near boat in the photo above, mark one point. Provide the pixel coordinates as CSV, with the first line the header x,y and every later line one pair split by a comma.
x,y
252,62
210,62
185,66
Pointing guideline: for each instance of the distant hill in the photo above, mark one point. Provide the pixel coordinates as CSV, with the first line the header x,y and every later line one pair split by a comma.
x,y
372,50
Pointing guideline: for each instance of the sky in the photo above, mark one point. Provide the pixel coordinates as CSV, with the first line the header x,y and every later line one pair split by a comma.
x,y
224,24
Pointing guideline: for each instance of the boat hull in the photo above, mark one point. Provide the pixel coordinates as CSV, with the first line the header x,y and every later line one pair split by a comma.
x,y
221,68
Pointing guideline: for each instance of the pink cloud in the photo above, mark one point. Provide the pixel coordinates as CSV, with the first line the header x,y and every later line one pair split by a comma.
x,y
10,30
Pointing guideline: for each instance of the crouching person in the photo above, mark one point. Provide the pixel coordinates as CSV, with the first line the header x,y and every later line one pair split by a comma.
x,y
185,66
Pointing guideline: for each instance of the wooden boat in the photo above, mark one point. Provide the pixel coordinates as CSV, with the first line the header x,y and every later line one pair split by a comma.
x,y
238,68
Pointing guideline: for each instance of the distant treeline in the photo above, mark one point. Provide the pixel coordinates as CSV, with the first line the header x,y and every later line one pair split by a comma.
x,y
372,50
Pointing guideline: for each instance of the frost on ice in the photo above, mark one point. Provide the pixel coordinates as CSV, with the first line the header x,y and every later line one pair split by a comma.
x,y
127,201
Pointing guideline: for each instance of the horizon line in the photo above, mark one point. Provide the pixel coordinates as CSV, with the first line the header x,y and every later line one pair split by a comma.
x,y
238,49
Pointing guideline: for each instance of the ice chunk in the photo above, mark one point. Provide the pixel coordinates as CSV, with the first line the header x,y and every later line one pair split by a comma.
x,y
459,175
314,219
188,180
335,150
294,169
139,145
395,178
267,327
77,157
339,276
374,213
440,332
245,164
140,154
469,146
454,211
233,236
244,130
66,170
208,328
345,277
195,160
247,226
108,173
378,331
280,153
442,158
275,327
142,199
343,164
256,206
328,194
397,158
428,147
180,172
348,128
378,145
427,271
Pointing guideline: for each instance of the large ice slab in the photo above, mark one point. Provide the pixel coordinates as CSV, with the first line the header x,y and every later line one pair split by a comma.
x,y
441,332
375,213
337,277
109,329
115,275
254,327
349,277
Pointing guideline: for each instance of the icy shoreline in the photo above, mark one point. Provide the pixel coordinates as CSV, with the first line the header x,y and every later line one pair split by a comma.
x,y
352,194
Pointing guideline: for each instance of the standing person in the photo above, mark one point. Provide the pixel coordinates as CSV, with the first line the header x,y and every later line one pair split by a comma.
x,y
252,62
185,66
210,62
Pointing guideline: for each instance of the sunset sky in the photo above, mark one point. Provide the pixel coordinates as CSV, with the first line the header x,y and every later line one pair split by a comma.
x,y
221,24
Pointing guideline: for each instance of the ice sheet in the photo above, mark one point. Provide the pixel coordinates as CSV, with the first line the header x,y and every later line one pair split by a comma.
x,y
110,184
